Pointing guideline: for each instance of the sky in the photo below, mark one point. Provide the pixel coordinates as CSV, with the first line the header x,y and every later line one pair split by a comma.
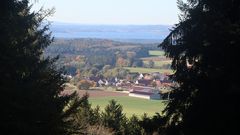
x,y
122,12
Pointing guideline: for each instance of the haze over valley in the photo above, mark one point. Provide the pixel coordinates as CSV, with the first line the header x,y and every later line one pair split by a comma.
x,y
125,33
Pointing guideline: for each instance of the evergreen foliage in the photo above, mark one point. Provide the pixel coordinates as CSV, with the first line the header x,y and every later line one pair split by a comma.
x,y
133,127
152,125
113,116
31,87
204,47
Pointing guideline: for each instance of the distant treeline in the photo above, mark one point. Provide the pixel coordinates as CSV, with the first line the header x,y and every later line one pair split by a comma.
x,y
85,52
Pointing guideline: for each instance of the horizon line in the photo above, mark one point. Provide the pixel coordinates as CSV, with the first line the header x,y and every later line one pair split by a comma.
x,y
77,23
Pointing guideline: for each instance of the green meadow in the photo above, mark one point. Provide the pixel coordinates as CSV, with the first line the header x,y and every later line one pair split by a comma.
x,y
131,105
156,53
159,63
148,70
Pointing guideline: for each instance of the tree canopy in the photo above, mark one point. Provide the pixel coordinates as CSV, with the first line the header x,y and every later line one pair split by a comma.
x,y
31,100
204,47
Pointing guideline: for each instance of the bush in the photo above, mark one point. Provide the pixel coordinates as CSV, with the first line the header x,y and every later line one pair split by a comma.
x,y
99,130
85,85
132,127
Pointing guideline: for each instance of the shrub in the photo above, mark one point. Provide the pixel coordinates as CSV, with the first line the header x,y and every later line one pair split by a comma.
x,y
85,85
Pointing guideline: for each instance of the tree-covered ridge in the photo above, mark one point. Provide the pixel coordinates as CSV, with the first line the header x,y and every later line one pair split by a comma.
x,y
87,53
91,46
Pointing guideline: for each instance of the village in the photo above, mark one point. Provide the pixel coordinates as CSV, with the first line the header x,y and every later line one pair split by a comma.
x,y
152,86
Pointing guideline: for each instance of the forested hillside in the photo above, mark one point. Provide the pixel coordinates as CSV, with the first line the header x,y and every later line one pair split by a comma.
x,y
85,52
89,46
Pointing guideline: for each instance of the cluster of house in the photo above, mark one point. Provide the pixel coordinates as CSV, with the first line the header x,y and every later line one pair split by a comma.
x,y
144,85
152,86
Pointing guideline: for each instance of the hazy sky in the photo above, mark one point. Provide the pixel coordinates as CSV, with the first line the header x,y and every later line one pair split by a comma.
x,y
112,11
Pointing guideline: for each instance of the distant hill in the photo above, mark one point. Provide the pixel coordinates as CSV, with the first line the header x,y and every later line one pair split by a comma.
x,y
126,33
85,53
94,46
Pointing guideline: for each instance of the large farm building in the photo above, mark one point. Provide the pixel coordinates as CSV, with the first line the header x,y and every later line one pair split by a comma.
x,y
144,92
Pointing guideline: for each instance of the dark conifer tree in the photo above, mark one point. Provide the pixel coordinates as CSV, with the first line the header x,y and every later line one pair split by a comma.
x,y
30,86
113,117
204,47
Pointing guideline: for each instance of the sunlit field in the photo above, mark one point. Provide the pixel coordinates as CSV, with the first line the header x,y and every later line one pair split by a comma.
x,y
131,105
148,70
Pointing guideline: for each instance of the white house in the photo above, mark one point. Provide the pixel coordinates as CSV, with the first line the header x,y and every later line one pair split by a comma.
x,y
140,76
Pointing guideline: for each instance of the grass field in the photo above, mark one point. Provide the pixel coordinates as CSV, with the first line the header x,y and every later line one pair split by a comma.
x,y
159,63
131,105
156,53
148,70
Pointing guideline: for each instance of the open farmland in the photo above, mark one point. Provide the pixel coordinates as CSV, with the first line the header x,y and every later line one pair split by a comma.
x,y
155,58
148,70
156,53
159,63
101,93
131,105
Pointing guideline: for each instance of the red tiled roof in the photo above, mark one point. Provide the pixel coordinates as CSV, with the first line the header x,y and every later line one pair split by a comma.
x,y
142,93
142,90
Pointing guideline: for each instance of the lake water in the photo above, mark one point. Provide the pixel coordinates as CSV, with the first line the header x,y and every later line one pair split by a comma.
x,y
121,32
